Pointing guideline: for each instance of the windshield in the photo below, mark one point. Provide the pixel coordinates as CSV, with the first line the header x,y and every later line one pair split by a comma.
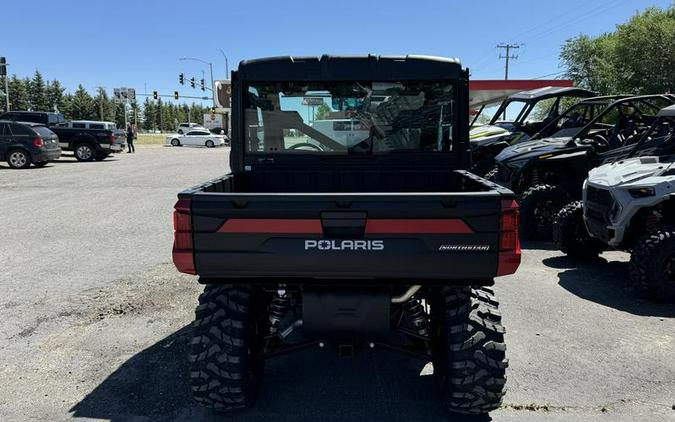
x,y
349,117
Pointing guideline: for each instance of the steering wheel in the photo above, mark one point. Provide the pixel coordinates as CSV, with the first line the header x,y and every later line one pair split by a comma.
x,y
306,145
601,140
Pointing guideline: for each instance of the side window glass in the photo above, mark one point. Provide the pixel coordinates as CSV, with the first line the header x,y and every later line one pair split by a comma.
x,y
19,130
3,129
78,125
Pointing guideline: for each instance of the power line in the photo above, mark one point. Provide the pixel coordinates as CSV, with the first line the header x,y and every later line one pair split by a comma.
x,y
508,56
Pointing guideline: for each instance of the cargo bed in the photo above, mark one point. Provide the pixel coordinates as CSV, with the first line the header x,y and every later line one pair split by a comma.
x,y
438,226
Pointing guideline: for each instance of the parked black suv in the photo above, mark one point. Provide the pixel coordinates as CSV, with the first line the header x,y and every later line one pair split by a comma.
x,y
87,143
23,144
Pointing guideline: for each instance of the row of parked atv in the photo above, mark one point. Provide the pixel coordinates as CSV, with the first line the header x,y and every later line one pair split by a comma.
x,y
595,175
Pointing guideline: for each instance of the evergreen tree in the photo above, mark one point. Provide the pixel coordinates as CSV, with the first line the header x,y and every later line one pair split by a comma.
x,y
55,96
149,115
105,106
38,93
18,94
82,106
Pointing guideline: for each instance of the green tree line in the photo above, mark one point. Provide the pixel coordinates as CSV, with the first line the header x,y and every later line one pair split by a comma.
x,y
38,94
637,58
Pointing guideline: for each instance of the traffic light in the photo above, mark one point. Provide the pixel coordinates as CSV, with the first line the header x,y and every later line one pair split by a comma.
x,y
155,95
181,79
202,81
175,94
192,82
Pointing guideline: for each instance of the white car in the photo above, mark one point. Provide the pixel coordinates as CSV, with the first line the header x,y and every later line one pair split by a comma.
x,y
186,127
345,131
201,137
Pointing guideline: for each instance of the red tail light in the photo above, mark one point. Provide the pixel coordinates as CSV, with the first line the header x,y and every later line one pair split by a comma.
x,y
38,142
509,240
111,138
183,249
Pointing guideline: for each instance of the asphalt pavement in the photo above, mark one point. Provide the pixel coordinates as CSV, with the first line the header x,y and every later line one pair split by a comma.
x,y
94,319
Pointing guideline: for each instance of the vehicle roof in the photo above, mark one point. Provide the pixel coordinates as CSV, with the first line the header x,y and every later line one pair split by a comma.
x,y
31,124
350,68
29,112
551,91
667,111
91,121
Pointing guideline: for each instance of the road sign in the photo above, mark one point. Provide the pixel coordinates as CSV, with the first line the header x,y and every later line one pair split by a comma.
x,y
124,95
312,101
223,94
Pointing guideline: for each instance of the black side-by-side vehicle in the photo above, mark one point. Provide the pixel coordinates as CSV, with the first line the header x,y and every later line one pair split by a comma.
x,y
382,241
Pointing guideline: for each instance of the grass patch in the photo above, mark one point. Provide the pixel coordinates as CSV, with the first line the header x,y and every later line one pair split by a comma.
x,y
150,139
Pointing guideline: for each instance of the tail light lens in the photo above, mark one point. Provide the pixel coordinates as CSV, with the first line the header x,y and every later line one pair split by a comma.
x,y
183,249
38,142
509,240
111,138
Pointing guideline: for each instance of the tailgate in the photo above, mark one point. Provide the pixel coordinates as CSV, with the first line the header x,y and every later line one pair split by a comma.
x,y
405,236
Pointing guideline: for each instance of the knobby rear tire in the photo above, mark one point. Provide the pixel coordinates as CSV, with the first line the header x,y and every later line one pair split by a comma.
x,y
225,372
474,356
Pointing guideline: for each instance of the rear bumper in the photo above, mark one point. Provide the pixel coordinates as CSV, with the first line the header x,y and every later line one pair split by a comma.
x,y
46,155
112,148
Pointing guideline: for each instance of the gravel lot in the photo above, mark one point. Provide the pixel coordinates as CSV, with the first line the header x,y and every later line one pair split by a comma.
x,y
94,318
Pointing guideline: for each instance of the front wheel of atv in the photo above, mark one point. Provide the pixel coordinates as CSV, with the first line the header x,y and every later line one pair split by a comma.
x,y
571,236
538,207
225,370
473,369
652,265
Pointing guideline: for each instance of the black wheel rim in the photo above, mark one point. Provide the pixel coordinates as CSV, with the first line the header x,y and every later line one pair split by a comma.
x,y
543,216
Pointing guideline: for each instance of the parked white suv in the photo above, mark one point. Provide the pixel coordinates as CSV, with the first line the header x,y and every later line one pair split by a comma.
x,y
185,127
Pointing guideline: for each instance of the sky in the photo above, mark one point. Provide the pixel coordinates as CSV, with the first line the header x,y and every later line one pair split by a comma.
x,y
138,43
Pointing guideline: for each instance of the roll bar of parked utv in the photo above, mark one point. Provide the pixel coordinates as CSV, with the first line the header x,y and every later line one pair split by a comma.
x,y
667,112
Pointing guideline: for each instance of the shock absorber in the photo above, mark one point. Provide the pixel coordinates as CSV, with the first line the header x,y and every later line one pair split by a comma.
x,y
278,307
418,317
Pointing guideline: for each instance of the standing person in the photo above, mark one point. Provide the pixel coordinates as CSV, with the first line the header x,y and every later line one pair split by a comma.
x,y
130,139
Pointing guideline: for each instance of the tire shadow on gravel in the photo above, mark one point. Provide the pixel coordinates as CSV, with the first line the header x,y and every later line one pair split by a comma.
x,y
606,283
314,385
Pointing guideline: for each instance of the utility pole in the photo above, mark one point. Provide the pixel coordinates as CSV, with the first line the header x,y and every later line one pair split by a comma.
x,y
3,73
508,56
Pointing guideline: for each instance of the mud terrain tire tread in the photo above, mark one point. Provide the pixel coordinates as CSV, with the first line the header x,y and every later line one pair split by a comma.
x,y
474,352
646,265
571,236
530,202
221,368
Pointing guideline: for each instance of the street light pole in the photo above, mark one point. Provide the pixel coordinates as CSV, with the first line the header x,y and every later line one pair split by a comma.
x,y
213,98
227,68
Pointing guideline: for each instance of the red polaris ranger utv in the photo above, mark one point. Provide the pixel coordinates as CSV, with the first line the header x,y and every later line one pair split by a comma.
x,y
348,221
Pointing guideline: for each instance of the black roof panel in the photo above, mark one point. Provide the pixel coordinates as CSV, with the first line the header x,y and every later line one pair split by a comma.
x,y
350,68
